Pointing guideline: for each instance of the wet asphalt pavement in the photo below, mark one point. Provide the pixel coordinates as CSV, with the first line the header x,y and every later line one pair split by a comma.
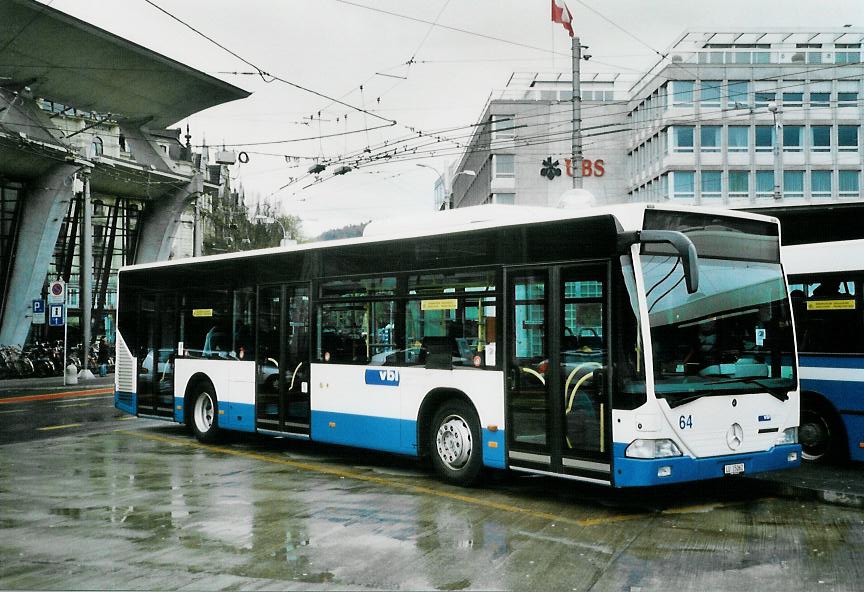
x,y
139,504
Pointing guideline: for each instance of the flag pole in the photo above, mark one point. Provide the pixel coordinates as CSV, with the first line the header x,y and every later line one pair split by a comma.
x,y
576,141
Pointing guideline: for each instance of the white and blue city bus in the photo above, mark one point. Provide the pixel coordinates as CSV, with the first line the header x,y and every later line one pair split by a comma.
x,y
825,284
628,346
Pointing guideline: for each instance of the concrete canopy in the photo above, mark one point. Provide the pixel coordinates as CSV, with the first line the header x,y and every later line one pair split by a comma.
x,y
133,82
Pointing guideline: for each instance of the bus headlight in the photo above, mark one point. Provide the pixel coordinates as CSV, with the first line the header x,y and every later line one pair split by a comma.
x,y
662,448
789,436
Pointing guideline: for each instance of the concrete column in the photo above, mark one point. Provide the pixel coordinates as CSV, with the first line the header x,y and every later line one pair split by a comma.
x,y
85,266
162,220
45,203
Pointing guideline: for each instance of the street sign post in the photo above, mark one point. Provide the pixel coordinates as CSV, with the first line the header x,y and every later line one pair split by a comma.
x,y
56,315
39,312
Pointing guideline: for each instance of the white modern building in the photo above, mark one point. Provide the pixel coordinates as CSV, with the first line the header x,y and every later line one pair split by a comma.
x,y
735,119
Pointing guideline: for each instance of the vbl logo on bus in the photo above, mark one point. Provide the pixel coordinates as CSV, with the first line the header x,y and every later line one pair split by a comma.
x,y
382,377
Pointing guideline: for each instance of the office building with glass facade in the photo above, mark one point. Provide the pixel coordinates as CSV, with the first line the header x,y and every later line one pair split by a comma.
x,y
729,119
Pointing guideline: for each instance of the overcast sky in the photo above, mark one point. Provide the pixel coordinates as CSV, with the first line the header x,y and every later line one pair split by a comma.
x,y
333,47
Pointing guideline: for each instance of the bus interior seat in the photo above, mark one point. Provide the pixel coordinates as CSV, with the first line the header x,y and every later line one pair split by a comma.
x,y
437,352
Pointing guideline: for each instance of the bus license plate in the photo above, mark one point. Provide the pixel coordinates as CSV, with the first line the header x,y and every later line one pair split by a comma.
x,y
735,469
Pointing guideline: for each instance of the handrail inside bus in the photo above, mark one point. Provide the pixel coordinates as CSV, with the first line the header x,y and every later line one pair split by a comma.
x,y
685,247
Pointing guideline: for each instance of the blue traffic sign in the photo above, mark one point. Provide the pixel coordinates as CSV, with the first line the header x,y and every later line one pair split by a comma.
x,y
56,316
39,306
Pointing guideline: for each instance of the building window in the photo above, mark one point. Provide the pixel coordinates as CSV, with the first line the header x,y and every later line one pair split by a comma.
x,y
96,146
682,93
503,127
793,183
682,184
738,91
739,183
709,137
764,98
764,138
738,138
711,184
764,184
793,96
814,57
820,184
507,199
761,57
847,57
683,138
847,138
847,93
503,166
820,99
848,183
821,138
792,138
709,93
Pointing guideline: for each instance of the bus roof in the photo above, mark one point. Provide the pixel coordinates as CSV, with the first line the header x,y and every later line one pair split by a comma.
x,y
629,216
824,257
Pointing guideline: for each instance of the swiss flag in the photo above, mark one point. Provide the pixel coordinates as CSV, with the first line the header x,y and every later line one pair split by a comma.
x,y
561,14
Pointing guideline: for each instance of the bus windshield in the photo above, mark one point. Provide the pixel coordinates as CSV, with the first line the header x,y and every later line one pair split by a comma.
x,y
733,335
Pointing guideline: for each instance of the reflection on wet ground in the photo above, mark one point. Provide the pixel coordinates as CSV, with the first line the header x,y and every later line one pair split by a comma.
x,y
150,508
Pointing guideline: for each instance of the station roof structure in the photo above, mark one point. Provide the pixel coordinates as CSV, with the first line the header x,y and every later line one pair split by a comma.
x,y
68,60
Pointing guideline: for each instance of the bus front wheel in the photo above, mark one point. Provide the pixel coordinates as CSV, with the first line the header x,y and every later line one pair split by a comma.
x,y
456,444
204,417
819,434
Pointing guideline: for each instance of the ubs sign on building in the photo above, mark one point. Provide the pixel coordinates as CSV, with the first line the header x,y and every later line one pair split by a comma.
x,y
520,155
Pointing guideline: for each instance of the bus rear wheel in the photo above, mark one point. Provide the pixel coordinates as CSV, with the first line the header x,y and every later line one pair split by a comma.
x,y
456,443
205,424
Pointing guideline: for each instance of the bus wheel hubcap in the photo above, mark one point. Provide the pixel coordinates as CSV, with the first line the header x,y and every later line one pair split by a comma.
x,y
204,412
454,442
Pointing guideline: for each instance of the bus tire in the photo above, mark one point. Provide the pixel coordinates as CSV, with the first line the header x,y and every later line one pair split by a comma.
x,y
455,443
205,415
820,432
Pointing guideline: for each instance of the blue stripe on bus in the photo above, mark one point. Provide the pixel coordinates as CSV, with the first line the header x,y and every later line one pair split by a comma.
x,y
830,361
179,410
363,431
389,435
493,449
637,472
843,394
125,401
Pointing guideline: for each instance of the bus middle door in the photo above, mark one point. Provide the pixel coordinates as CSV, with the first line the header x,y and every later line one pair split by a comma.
x,y
557,401
282,397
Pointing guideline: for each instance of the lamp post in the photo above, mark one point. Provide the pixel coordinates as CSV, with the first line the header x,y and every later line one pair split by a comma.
x,y
448,183
285,242
778,165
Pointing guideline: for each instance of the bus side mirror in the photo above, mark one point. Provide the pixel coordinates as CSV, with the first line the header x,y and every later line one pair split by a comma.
x,y
683,245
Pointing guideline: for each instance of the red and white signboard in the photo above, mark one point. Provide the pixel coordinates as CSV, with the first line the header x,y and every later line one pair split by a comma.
x,y
57,292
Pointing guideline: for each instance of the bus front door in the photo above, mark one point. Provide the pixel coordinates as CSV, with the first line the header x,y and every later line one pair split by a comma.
x,y
557,396
282,396
157,330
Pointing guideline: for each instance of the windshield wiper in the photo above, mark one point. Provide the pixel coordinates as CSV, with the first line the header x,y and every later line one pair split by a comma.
x,y
779,393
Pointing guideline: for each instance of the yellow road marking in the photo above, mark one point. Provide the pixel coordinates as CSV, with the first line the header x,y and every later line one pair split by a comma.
x,y
58,427
126,418
312,467
13,411
75,405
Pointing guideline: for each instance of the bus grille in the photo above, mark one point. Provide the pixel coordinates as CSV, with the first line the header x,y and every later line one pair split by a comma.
x,y
125,377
